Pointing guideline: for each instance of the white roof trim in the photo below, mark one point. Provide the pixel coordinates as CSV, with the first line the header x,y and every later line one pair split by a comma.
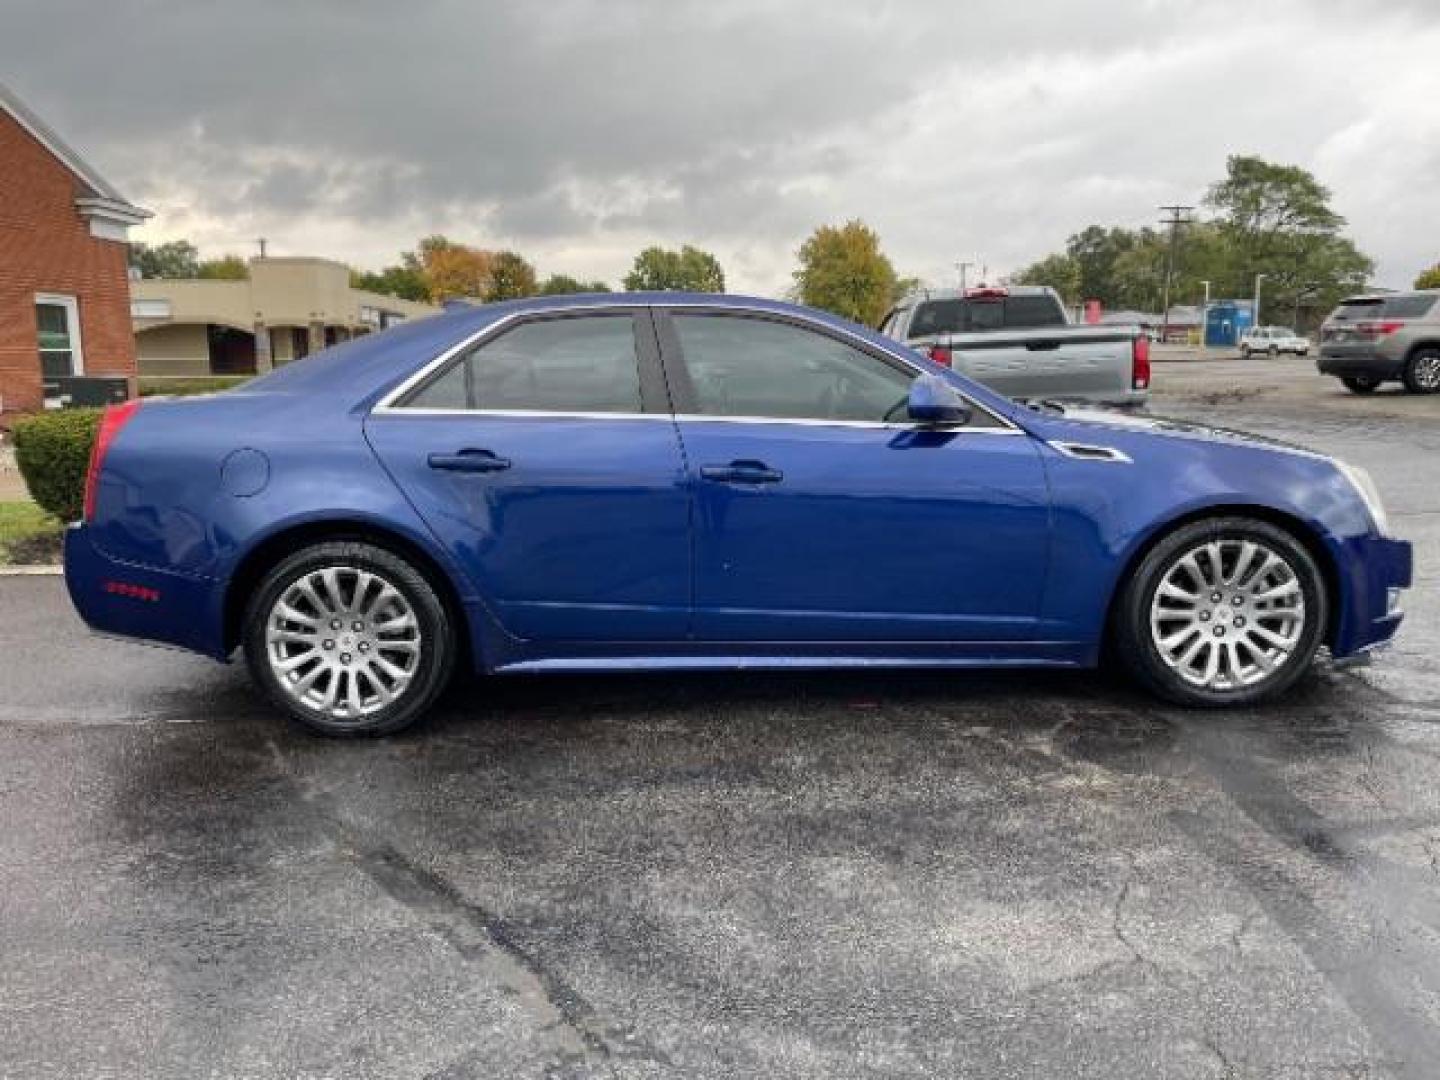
x,y
103,200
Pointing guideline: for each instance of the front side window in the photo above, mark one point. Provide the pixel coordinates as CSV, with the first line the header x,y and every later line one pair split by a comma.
x,y
756,367
566,365
57,325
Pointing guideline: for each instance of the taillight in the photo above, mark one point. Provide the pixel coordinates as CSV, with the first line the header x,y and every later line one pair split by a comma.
x,y
1380,329
987,292
941,355
1140,362
112,420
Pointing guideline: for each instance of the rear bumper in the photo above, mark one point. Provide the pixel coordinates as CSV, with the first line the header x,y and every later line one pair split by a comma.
x,y
115,597
1377,570
1351,364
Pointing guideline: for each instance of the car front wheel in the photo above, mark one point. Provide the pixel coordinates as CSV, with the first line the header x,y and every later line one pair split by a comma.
x,y
1245,352
349,639
1227,611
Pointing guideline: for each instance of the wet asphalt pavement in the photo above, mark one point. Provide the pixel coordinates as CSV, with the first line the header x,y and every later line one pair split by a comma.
x,y
804,875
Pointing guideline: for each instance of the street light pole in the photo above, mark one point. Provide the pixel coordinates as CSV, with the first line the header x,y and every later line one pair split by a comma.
x,y
1255,311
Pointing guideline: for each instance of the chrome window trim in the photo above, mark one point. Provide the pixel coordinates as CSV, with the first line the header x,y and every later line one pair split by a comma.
x,y
387,407
539,414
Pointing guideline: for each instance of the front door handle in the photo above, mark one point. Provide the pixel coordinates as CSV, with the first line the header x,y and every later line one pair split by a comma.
x,y
469,460
742,472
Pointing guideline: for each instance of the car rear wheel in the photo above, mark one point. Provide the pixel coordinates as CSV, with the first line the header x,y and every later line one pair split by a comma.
x,y
1227,611
1274,351
1422,371
1360,384
349,639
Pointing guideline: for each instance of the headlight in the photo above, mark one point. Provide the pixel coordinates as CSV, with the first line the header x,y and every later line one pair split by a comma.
x,y
1368,492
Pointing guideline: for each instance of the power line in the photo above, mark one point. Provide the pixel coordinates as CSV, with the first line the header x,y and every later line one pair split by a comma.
x,y
1179,215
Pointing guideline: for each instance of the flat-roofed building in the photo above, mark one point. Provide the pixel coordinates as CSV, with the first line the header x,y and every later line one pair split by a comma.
x,y
287,308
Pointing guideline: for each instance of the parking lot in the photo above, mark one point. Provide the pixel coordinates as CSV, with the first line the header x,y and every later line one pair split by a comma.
x,y
912,874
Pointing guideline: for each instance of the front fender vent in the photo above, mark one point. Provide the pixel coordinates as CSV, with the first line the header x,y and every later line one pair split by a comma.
x,y
1086,452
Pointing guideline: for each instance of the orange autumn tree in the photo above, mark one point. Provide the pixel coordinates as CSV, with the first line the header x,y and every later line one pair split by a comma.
x,y
452,270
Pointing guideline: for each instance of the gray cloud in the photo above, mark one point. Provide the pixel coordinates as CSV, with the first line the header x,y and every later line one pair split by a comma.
x,y
577,131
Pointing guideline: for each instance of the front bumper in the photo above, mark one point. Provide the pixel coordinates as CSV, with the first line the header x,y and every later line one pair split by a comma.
x,y
1377,570
129,600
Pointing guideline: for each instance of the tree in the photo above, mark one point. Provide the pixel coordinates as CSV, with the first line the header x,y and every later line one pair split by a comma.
x,y
1276,220
511,277
450,270
842,270
1267,219
689,270
403,281
904,286
172,259
561,284
1430,279
1060,272
225,268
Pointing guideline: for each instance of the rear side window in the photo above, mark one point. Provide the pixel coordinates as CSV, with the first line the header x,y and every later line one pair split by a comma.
x,y
1415,306
583,364
754,367
954,316
1408,307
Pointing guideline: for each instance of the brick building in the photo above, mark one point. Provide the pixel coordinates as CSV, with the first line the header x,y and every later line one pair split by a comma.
x,y
64,290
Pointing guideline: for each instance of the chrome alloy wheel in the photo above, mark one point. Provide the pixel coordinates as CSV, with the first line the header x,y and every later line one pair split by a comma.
x,y
344,641
1427,371
1227,614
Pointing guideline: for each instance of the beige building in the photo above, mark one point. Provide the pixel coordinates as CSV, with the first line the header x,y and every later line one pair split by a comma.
x,y
289,308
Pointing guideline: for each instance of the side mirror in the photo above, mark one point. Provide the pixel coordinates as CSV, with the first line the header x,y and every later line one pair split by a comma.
x,y
934,401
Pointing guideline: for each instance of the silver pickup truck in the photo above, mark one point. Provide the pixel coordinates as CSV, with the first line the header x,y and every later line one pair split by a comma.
x,y
1019,341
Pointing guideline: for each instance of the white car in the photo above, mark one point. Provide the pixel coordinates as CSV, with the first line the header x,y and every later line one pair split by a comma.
x,y
1273,340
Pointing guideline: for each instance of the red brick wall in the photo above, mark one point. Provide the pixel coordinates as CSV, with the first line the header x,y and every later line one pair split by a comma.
x,y
46,246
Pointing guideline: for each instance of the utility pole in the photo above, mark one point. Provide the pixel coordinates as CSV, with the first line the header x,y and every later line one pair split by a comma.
x,y
1255,311
261,241
964,268
1179,215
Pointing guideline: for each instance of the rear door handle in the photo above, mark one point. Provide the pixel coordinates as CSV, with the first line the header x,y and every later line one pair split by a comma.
x,y
469,460
742,472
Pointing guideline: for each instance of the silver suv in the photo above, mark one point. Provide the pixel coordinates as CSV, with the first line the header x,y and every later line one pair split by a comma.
x,y
1377,338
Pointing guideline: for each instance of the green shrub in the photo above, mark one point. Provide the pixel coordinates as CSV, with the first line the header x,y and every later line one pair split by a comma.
x,y
53,452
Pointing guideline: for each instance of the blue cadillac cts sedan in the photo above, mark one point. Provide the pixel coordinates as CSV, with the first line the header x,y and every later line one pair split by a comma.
x,y
672,481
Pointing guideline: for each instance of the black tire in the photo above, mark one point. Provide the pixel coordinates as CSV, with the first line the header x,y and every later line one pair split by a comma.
x,y
436,639
1360,384
1244,352
1422,371
1274,351
1134,643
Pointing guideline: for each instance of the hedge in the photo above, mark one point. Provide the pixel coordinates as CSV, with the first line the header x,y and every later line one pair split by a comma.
x,y
53,452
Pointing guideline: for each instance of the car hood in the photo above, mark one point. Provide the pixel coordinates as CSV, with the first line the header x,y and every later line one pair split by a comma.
x,y
1085,424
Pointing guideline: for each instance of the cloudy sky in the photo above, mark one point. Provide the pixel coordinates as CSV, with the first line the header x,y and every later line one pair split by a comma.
x,y
577,132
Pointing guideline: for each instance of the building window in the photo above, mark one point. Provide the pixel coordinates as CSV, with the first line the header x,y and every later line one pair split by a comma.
x,y
57,321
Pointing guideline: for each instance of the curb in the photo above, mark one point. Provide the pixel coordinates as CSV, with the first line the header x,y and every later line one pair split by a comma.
x,y
47,570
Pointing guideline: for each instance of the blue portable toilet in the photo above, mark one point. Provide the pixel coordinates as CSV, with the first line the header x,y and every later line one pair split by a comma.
x,y
1227,320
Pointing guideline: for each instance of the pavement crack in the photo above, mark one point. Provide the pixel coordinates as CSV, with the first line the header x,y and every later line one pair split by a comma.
x,y
1117,923
573,1027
